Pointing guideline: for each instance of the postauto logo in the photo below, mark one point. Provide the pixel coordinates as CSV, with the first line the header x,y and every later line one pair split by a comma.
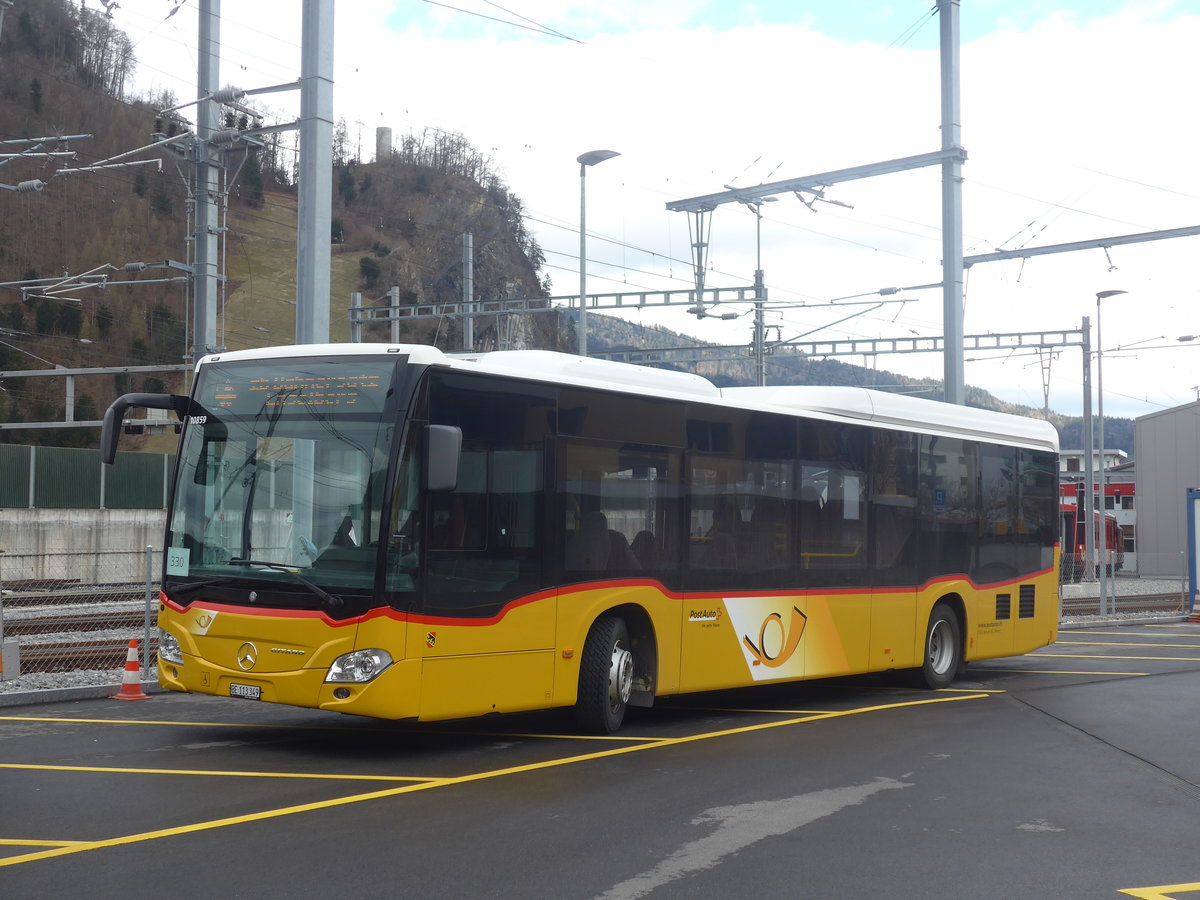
x,y
769,629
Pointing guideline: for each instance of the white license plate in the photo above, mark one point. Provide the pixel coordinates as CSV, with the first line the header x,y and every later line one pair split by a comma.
x,y
246,691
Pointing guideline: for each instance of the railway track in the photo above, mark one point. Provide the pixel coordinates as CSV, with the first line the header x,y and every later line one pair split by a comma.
x,y
68,627
75,656
101,594
74,622
1160,604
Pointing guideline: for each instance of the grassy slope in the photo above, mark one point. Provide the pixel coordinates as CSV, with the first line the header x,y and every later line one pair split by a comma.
x,y
262,278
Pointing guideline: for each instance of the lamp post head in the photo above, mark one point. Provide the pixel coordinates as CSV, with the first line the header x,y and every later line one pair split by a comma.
x,y
592,157
1104,295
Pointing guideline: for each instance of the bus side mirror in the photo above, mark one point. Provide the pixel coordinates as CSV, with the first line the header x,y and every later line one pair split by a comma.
x,y
115,415
443,446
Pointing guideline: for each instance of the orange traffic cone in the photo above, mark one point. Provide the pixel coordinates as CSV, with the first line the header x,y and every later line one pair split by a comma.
x,y
131,681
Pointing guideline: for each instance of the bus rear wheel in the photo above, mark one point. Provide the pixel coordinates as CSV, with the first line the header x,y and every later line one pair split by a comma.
x,y
943,647
605,676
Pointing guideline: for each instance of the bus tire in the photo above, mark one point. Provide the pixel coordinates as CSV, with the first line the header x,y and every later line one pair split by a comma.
x,y
605,676
943,648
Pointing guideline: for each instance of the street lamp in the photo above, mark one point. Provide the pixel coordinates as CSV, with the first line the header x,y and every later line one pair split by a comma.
x,y
1102,295
590,158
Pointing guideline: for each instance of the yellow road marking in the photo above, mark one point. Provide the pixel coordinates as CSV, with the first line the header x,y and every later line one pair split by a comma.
x,y
1123,644
1055,672
909,690
1102,656
1161,892
615,738
1129,633
228,774
747,709
339,728
179,724
31,843
462,779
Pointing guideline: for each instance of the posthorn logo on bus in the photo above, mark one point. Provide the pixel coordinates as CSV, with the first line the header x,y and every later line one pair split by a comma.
x,y
770,632
771,650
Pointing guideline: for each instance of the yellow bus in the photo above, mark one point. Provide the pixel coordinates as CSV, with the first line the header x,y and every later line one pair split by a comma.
x,y
392,531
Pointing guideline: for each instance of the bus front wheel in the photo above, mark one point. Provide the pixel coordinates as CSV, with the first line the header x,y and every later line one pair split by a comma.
x,y
605,676
943,647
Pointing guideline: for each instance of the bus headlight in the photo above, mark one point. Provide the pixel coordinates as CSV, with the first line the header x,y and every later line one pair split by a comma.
x,y
168,648
360,666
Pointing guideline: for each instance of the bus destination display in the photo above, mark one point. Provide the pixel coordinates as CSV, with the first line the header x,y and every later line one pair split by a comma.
x,y
251,390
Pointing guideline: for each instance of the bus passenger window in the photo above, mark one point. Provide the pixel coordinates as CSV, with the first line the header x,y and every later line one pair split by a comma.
x,y
616,505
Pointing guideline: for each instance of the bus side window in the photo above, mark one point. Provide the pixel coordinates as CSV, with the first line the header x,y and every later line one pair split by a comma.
x,y
617,504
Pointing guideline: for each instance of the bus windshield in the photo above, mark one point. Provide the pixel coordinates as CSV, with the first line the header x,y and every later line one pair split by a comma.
x,y
281,480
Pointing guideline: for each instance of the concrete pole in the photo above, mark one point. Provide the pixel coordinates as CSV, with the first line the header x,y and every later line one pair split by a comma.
x,y
952,215
315,212
760,350
581,325
204,264
394,312
356,318
1084,504
1104,548
468,290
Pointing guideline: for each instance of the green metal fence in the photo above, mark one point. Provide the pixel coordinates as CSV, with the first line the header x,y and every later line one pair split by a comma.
x,y
66,478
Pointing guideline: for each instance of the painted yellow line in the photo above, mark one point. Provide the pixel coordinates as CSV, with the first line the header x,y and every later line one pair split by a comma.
x,y
188,724
1128,634
1055,672
620,738
1102,656
1162,892
461,779
225,774
32,843
1123,644
610,738
896,688
815,714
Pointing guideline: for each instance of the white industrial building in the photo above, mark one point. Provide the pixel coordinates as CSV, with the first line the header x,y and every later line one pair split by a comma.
x,y
1167,450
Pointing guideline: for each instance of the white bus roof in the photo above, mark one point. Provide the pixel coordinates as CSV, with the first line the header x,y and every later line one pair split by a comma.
x,y
901,411
880,408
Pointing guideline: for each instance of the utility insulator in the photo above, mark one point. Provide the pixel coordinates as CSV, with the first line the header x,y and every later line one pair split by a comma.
x,y
225,137
228,94
29,187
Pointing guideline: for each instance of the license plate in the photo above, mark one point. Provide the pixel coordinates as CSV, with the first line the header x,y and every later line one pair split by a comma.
x,y
245,691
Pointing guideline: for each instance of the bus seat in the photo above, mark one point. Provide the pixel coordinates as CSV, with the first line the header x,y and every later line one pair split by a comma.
x,y
620,555
644,549
769,531
588,548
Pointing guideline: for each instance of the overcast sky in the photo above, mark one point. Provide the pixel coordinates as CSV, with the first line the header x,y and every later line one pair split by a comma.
x,y
1078,118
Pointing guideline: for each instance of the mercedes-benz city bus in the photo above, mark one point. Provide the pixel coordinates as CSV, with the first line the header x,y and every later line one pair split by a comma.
x,y
392,531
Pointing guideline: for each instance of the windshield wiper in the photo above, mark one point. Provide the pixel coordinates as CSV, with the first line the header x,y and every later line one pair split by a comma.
x,y
329,598
180,589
